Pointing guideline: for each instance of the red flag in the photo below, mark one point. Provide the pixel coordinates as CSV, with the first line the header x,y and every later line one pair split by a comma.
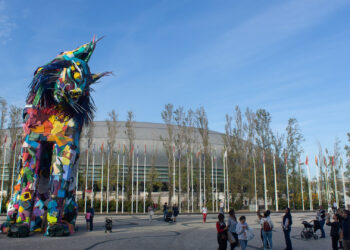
x,y
5,139
316,160
145,149
14,146
332,160
307,161
324,161
102,147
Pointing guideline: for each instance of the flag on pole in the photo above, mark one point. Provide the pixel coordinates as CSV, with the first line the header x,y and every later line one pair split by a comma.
x,y
5,140
145,152
14,145
123,149
333,161
307,160
102,147
316,160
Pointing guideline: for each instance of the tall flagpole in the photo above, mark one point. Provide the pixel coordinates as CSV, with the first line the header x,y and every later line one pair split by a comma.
x,y
212,181
144,180
309,177
86,177
200,179
224,167
110,151
301,185
132,180
335,182
3,173
265,191
274,170
174,174
204,195
255,190
93,175
188,180
123,179
216,183
14,166
102,179
227,186
327,185
117,198
318,182
137,179
192,179
343,179
180,181
287,177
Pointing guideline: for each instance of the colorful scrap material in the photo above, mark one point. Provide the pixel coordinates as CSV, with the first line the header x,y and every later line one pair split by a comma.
x,y
57,107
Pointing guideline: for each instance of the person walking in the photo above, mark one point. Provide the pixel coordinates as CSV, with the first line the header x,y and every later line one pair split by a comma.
x,y
221,229
287,226
241,231
266,229
321,217
150,212
88,217
165,209
346,229
92,214
204,213
335,230
175,211
232,224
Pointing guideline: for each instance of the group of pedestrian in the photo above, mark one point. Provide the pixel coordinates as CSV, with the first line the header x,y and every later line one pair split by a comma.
x,y
340,229
175,211
238,233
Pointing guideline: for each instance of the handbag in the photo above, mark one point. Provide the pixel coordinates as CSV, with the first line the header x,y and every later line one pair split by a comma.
x,y
231,238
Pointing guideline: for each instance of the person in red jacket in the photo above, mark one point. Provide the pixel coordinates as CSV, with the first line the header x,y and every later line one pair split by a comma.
x,y
222,232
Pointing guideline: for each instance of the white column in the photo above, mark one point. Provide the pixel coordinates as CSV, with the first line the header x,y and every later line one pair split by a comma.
x,y
132,181
180,182
344,189
287,178
188,182
200,180
310,193
192,179
137,180
212,181
123,182
335,182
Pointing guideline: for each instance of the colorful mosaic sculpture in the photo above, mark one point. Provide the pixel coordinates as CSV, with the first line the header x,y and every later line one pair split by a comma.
x,y
57,107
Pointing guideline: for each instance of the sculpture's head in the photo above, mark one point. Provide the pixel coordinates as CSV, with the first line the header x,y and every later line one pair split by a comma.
x,y
66,82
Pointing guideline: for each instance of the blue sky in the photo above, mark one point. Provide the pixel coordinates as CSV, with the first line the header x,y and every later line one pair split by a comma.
x,y
289,57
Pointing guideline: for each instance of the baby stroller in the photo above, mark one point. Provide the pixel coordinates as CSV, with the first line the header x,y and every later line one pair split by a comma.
x,y
108,225
168,217
310,229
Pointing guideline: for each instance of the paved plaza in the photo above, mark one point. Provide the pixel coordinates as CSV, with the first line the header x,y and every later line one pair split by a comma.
x,y
136,232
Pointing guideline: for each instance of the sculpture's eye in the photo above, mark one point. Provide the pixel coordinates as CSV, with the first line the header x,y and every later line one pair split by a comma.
x,y
77,76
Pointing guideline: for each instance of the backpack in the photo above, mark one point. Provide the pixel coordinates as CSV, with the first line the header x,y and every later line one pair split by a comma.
x,y
266,226
88,216
18,231
58,230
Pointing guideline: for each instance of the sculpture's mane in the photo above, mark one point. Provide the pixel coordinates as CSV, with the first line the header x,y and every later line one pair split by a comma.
x,y
42,90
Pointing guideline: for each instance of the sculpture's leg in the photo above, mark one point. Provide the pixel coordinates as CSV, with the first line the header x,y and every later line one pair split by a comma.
x,y
26,187
62,208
